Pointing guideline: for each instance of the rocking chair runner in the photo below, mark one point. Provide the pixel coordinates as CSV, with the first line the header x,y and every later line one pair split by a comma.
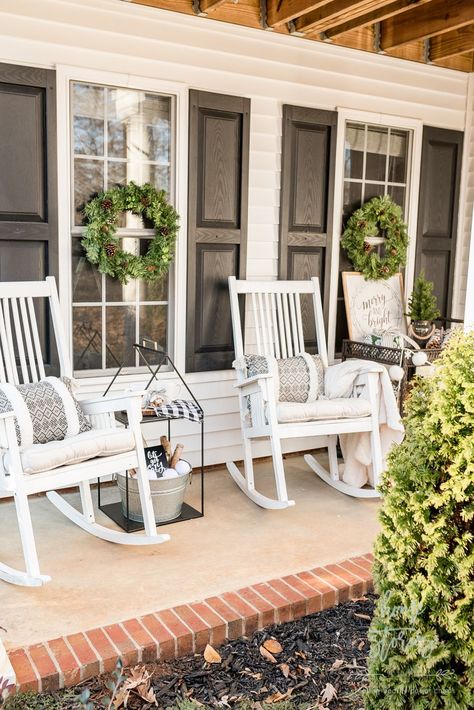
x,y
278,323
20,343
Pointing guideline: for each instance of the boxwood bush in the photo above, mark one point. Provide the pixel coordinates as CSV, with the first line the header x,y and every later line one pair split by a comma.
x,y
422,635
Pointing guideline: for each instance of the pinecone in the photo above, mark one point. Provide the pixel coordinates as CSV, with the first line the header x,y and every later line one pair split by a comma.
x,y
393,252
164,231
151,267
107,204
436,341
145,201
110,249
367,247
385,269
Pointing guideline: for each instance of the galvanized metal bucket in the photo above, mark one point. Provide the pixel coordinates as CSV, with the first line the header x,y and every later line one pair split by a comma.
x,y
167,495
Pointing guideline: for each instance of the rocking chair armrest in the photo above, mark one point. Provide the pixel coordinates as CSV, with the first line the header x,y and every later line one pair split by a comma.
x,y
115,403
252,380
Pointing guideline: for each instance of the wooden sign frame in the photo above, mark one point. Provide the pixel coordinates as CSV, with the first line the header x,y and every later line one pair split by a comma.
x,y
373,307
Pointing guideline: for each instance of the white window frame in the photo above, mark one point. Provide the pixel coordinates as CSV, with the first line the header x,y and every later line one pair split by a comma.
x,y
346,115
65,75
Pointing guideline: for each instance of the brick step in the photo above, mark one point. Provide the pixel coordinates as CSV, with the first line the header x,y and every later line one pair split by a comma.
x,y
186,629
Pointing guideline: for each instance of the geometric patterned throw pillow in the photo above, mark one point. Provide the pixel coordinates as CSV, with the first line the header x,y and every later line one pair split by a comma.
x,y
44,411
297,379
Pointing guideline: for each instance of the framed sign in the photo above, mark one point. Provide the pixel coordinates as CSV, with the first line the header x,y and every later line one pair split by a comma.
x,y
156,459
373,307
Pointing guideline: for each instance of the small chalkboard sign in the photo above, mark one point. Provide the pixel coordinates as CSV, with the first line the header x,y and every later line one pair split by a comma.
x,y
156,460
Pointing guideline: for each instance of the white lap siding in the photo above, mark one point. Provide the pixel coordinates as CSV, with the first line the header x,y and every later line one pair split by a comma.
x,y
269,68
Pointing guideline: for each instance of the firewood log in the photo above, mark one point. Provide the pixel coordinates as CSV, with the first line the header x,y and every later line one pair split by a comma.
x,y
177,455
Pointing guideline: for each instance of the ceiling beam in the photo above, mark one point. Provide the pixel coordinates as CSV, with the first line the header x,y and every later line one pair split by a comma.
x,y
210,5
281,11
437,17
333,13
452,43
370,18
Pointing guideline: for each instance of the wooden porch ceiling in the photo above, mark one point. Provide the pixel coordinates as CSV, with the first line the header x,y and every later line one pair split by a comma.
x,y
439,32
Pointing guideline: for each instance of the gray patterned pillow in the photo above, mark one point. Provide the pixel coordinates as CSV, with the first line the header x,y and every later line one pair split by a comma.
x,y
300,378
44,411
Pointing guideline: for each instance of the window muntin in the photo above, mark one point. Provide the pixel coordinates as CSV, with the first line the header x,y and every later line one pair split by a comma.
x,y
118,135
376,162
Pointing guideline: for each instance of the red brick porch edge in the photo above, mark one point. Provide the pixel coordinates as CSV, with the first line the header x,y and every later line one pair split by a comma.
x,y
187,629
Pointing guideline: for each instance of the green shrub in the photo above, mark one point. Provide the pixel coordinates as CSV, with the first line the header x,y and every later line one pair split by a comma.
x,y
42,701
422,635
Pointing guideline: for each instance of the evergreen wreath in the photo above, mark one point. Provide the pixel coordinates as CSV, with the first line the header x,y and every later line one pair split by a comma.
x,y
102,247
380,216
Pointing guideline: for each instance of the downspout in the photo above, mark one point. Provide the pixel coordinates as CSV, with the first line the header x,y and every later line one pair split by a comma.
x,y
469,303
464,213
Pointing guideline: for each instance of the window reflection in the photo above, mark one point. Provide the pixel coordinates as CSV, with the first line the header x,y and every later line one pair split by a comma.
x,y
117,135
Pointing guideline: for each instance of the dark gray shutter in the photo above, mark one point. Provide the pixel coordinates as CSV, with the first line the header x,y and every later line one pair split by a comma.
x,y
438,210
28,181
217,223
307,190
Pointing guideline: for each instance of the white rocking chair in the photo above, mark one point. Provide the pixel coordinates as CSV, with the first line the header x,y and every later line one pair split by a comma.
x,y
278,322
20,343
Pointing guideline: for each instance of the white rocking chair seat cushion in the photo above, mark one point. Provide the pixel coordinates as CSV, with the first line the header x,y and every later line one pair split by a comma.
x,y
326,409
39,458
44,411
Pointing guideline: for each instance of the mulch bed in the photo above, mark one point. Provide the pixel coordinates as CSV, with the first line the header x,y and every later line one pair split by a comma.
x,y
326,648
322,662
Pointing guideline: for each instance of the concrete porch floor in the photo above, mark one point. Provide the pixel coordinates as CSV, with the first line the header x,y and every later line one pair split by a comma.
x,y
236,544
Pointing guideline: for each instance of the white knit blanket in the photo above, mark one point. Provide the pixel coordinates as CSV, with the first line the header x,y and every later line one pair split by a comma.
x,y
339,382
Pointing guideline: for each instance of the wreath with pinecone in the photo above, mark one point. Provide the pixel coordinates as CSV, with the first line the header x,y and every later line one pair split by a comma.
x,y
380,217
102,247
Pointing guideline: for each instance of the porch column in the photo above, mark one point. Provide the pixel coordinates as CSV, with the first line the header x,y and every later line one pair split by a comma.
x,y
469,310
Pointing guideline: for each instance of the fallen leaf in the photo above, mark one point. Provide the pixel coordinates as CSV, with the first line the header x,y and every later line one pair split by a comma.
x,y
121,699
146,693
138,676
360,599
306,671
278,697
285,669
211,655
328,693
361,645
337,664
267,655
273,646
363,616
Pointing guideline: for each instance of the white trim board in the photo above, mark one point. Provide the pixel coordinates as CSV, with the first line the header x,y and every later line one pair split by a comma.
x,y
469,311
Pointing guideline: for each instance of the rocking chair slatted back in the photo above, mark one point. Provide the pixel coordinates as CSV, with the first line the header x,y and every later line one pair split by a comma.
x,y
277,316
21,356
22,362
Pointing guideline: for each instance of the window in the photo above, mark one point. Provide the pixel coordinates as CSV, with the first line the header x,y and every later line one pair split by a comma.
x,y
376,162
118,135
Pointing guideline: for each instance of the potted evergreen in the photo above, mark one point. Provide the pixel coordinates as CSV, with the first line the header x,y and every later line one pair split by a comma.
x,y
422,307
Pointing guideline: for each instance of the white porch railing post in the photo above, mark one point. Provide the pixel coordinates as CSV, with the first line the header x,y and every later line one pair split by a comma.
x,y
469,308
